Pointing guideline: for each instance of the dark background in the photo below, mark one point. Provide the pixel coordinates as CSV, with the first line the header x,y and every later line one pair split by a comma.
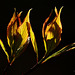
x,y
61,65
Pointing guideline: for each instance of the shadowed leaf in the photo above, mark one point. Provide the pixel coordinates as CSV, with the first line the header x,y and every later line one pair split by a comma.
x,y
20,51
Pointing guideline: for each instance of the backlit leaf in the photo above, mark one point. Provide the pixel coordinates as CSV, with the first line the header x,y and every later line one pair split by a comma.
x,y
64,49
23,30
21,40
52,33
33,40
12,32
4,49
17,35
11,29
43,32
22,37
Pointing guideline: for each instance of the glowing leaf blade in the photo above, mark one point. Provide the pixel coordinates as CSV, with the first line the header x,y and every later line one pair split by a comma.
x,y
21,39
11,29
58,19
23,30
33,40
52,33
43,32
64,49
2,45
17,35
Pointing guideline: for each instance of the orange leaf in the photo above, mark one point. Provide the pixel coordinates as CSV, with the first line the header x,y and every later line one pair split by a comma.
x,y
12,28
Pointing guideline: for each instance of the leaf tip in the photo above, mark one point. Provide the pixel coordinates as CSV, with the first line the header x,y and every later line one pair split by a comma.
x,y
30,10
14,9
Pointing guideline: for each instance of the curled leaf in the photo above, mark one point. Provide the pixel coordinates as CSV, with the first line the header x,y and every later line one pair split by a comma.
x,y
23,30
12,32
17,35
43,32
52,33
64,49
4,49
11,29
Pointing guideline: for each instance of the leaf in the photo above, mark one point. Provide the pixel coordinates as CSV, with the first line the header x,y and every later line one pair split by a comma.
x,y
17,35
12,32
33,40
20,51
23,30
11,29
64,49
22,33
2,45
22,38
52,33
43,32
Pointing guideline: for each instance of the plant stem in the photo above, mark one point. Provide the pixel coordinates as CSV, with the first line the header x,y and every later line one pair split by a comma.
x,y
34,67
6,69
31,69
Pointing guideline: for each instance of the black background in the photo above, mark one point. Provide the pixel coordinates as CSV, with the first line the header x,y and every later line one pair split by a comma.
x,y
61,65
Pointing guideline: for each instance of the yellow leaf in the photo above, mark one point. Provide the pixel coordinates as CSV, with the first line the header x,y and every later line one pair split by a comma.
x,y
52,33
43,32
21,40
33,40
17,35
58,18
12,34
64,49
2,45
23,30
11,29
